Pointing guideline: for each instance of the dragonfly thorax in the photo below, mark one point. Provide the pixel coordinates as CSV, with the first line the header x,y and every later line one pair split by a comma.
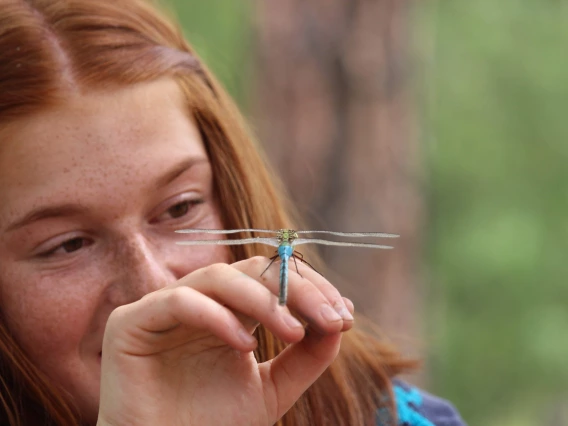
x,y
286,236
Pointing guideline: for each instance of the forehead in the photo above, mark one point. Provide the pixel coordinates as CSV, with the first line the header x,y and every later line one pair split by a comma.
x,y
120,119
98,139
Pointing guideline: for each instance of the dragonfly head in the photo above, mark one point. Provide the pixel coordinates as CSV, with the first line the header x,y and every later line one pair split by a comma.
x,y
287,235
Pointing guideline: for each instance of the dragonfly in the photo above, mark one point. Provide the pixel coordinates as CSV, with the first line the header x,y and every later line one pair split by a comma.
x,y
285,241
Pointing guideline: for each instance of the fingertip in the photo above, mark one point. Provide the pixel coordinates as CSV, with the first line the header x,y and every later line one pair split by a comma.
x,y
329,314
349,304
247,339
322,345
291,335
292,322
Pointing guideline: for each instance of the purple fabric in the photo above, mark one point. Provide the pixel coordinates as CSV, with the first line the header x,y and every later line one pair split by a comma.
x,y
436,410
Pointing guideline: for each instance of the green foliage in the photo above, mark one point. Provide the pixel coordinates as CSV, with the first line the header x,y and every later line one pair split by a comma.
x,y
220,32
498,202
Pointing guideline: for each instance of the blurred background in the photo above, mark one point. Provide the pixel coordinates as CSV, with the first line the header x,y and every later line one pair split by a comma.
x,y
443,121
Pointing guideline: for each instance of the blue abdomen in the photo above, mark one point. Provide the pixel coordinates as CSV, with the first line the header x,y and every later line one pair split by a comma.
x,y
285,251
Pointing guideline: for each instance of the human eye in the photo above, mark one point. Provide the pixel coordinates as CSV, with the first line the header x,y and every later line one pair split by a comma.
x,y
68,246
180,209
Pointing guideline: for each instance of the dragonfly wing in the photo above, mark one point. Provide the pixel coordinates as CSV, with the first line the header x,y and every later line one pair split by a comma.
x,y
222,231
352,234
299,241
268,241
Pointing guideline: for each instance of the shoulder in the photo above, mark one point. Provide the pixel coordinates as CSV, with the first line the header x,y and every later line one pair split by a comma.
x,y
416,407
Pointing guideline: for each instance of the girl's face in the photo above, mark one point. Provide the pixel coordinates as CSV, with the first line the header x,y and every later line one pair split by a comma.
x,y
90,195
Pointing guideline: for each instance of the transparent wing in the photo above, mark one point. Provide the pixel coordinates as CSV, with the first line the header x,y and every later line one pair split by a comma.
x,y
352,234
337,243
222,231
268,241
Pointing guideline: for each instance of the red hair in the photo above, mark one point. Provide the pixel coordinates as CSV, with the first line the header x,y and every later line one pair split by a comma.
x,y
52,48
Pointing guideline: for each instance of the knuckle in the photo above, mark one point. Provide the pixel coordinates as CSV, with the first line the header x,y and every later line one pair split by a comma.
x,y
258,261
117,315
176,296
216,269
116,320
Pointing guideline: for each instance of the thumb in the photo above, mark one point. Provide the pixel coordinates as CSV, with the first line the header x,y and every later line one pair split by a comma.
x,y
293,371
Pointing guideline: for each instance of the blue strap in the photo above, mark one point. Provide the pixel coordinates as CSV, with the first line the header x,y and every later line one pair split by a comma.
x,y
415,407
407,405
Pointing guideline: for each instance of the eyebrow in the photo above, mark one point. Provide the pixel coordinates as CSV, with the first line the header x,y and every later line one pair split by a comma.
x,y
179,169
64,210
68,210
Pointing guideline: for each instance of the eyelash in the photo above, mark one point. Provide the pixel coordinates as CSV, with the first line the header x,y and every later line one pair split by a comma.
x,y
189,203
51,252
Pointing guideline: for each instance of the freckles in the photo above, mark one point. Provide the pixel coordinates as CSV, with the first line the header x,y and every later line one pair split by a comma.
x,y
113,183
43,317
52,321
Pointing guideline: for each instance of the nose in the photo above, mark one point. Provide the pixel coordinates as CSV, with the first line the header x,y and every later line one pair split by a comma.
x,y
140,268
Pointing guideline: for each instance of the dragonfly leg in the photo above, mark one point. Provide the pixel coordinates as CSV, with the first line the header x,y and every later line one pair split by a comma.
x,y
300,257
294,257
272,259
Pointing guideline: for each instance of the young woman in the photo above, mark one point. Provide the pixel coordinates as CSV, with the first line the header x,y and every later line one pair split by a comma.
x,y
112,135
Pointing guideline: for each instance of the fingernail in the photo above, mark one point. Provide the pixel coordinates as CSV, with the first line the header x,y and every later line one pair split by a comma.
x,y
329,314
292,322
349,305
342,310
246,337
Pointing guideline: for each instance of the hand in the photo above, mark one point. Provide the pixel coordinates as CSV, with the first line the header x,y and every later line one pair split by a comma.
x,y
183,355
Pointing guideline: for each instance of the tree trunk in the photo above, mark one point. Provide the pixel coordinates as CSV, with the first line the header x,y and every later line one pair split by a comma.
x,y
332,105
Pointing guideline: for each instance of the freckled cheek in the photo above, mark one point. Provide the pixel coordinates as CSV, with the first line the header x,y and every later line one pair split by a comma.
x,y
47,317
